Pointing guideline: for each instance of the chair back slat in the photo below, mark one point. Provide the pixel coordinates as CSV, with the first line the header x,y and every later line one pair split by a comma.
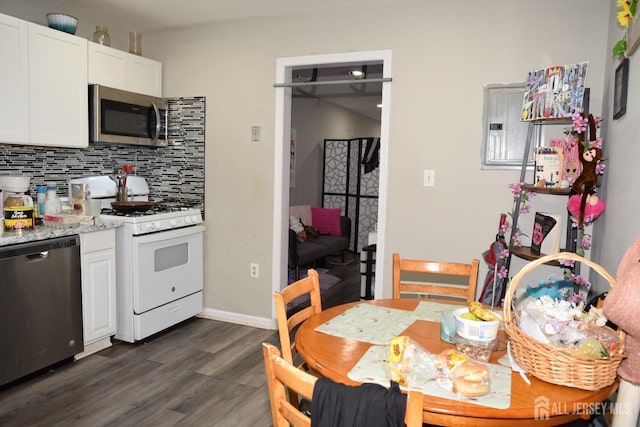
x,y
449,279
310,286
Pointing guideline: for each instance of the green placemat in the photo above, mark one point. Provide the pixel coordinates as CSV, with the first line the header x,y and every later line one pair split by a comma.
x,y
427,310
371,369
369,323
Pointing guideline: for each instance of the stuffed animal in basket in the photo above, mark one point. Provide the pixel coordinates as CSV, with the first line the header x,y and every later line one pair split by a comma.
x,y
621,307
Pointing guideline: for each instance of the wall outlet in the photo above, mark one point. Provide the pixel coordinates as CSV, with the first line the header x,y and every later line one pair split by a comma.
x,y
254,270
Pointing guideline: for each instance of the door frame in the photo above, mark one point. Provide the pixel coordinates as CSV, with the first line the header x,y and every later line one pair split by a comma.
x,y
284,68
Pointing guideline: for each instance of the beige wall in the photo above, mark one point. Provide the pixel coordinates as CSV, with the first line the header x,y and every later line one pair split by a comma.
x,y
316,120
443,54
619,226
442,58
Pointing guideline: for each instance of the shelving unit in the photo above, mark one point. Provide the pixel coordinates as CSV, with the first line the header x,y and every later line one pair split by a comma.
x,y
572,242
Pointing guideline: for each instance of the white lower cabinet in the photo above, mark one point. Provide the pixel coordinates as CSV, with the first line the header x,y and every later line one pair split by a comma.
x,y
98,261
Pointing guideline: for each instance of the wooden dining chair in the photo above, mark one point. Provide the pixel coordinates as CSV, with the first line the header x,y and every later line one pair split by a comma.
x,y
448,279
281,375
309,286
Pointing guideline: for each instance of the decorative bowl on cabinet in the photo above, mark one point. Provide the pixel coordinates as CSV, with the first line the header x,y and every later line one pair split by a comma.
x,y
62,22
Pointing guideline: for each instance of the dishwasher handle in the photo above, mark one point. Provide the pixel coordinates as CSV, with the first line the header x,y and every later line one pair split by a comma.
x,y
37,256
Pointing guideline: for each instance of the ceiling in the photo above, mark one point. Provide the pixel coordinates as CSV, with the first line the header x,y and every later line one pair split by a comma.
x,y
148,15
161,14
358,96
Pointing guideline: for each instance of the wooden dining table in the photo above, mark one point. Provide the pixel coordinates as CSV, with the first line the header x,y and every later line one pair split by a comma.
x,y
538,403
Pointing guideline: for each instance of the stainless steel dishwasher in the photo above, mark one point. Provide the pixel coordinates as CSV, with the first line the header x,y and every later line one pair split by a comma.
x,y
40,305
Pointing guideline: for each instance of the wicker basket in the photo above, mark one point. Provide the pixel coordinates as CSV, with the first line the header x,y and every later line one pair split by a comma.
x,y
548,362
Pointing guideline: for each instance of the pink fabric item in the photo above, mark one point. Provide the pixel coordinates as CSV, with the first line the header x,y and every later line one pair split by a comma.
x,y
621,307
327,221
591,212
303,212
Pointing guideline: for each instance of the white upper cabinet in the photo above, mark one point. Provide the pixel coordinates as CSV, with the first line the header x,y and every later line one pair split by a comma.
x,y
107,66
122,70
14,84
58,92
43,85
145,76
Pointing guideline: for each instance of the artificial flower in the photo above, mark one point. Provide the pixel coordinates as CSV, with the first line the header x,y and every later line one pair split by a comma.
x,y
517,239
504,254
600,167
502,272
579,123
567,263
623,16
516,188
579,280
505,227
585,242
596,144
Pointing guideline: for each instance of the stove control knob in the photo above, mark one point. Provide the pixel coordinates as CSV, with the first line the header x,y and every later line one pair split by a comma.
x,y
196,219
157,225
188,220
173,223
149,226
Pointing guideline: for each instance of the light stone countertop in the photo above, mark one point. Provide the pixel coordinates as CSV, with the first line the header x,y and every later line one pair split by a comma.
x,y
43,232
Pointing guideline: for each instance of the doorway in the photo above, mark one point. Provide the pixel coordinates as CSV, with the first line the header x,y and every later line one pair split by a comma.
x,y
284,76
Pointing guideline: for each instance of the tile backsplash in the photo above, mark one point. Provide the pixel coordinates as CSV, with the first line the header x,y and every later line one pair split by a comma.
x,y
173,171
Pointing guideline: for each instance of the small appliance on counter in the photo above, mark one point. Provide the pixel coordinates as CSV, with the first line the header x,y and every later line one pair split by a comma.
x,y
17,206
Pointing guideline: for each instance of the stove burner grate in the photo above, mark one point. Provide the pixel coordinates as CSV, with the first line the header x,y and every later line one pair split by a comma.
x,y
159,209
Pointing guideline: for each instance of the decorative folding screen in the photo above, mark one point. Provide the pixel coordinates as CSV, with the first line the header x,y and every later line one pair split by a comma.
x,y
346,185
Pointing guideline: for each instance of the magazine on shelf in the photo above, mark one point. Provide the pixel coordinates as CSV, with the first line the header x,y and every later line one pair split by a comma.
x,y
549,167
545,238
554,92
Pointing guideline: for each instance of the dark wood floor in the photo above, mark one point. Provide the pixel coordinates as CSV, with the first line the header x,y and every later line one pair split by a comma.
x,y
199,373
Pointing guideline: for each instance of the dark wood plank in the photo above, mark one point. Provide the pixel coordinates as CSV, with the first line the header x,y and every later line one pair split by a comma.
x,y
196,373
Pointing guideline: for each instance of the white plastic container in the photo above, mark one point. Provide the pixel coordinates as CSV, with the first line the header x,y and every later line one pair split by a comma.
x,y
480,330
14,183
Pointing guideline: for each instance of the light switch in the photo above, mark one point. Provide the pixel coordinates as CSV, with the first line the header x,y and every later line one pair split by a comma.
x,y
255,133
429,177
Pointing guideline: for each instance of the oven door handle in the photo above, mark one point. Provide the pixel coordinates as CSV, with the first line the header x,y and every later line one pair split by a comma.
x,y
156,111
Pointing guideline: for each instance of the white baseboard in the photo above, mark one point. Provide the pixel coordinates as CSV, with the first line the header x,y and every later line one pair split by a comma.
x,y
241,319
94,347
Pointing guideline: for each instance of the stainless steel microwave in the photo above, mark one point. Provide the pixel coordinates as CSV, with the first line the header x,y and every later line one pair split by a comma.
x,y
120,117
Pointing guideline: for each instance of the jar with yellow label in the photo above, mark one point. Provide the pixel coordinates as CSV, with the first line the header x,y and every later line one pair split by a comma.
x,y
18,212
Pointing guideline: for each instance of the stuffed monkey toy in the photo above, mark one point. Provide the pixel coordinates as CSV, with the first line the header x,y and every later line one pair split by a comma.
x,y
586,182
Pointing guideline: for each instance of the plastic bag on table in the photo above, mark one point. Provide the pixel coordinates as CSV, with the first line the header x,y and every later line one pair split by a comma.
x,y
409,364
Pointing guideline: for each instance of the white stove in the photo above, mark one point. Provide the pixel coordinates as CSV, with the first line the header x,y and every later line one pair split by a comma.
x,y
159,260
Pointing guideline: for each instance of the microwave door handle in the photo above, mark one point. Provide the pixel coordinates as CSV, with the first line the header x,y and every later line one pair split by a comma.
x,y
157,113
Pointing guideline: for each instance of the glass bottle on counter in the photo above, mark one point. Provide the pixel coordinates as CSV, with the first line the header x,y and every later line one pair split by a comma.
x,y
52,203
